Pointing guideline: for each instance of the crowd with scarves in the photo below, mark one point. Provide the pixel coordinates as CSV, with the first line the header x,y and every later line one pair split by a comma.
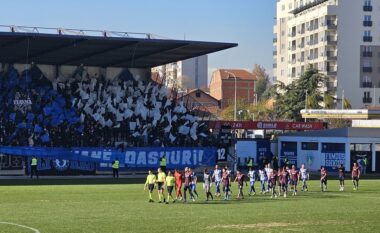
x,y
85,110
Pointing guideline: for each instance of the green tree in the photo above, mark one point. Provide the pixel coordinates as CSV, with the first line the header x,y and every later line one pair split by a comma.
x,y
291,98
262,82
328,101
346,104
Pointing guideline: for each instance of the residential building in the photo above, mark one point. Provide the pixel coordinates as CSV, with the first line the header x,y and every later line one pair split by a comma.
x,y
201,102
226,82
185,75
341,38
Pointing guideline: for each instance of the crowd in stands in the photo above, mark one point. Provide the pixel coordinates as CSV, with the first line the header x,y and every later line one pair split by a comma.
x,y
82,110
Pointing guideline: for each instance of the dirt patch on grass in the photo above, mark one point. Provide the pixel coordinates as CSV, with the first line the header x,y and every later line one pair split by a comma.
x,y
257,225
269,225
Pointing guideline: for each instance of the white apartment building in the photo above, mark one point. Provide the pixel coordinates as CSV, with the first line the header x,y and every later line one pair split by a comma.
x,y
185,75
341,38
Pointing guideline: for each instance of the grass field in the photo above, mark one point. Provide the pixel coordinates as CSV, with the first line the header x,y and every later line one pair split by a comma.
x,y
125,208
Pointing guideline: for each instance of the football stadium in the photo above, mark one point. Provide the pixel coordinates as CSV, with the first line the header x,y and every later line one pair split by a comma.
x,y
91,143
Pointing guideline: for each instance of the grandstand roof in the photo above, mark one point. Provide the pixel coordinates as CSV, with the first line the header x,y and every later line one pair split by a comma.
x,y
55,49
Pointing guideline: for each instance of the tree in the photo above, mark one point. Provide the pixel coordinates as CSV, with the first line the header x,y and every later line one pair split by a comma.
x,y
328,101
262,82
247,111
291,98
346,104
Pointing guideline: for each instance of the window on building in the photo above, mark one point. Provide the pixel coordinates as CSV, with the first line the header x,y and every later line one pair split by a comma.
x,y
283,7
367,33
367,3
198,94
309,145
367,18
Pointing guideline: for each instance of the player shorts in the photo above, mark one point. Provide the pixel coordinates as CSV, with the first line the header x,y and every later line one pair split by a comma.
x,y
160,185
151,187
272,183
170,189
293,182
341,178
226,188
355,178
324,181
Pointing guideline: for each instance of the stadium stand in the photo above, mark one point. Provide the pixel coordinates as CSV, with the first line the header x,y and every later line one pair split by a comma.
x,y
81,110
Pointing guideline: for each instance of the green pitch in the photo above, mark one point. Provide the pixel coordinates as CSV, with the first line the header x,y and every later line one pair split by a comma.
x,y
125,208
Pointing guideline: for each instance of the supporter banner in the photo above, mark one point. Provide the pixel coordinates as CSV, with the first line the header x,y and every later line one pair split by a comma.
x,y
333,154
144,157
263,152
268,125
288,150
53,166
8,162
22,102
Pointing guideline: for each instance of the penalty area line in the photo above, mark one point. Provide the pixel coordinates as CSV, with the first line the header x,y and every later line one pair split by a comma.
x,y
22,226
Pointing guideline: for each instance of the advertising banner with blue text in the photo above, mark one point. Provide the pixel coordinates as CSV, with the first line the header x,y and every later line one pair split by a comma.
x,y
333,154
289,151
136,157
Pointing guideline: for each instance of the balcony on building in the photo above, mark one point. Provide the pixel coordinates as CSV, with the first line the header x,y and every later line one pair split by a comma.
x,y
274,53
330,87
301,59
366,84
367,69
367,100
301,45
293,47
367,54
331,40
301,31
292,34
274,40
331,55
367,8
331,25
367,38
274,65
331,71
307,6
367,23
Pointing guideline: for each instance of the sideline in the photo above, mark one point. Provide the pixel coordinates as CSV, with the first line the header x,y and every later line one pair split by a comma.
x,y
22,226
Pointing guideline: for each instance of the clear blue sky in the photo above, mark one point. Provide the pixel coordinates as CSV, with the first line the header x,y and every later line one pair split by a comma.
x,y
246,22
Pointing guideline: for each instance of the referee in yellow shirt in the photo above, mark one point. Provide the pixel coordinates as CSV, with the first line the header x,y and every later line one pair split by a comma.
x,y
161,180
170,182
150,181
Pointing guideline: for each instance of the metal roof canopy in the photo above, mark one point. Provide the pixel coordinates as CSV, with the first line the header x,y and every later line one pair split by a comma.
x,y
126,52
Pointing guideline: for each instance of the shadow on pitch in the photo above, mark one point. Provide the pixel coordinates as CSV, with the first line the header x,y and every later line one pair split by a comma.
x,y
63,181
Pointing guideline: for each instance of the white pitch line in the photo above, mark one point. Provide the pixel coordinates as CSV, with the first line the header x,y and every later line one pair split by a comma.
x,y
22,226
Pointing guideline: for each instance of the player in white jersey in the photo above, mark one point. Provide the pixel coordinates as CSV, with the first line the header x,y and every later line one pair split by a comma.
x,y
304,175
252,179
217,176
266,172
263,178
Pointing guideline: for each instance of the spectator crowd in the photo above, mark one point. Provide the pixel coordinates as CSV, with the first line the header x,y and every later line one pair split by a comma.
x,y
84,110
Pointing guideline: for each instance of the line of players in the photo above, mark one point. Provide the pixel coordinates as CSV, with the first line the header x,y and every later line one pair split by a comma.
x,y
269,178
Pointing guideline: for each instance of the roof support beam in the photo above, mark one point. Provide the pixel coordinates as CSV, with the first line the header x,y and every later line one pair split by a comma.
x,y
48,50
177,46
